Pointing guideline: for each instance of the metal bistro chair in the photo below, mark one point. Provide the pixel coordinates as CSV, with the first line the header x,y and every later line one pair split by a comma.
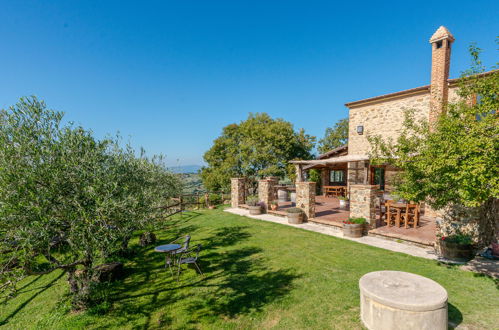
x,y
189,257
185,247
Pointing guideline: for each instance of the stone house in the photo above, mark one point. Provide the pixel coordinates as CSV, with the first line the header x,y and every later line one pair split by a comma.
x,y
348,169
384,116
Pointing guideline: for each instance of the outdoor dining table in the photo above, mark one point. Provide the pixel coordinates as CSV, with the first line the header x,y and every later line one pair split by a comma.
x,y
400,207
168,249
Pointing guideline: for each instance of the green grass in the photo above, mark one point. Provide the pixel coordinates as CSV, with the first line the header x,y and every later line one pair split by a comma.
x,y
258,275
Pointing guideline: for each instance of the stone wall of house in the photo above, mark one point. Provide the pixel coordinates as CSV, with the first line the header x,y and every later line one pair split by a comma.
x,y
383,118
237,191
453,97
390,177
305,198
357,172
363,203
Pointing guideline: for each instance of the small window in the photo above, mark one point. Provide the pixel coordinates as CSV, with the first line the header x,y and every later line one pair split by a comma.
x,y
439,44
378,177
336,176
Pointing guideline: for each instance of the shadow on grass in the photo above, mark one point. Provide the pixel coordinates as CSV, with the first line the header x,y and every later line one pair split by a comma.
x,y
33,296
243,284
238,280
455,316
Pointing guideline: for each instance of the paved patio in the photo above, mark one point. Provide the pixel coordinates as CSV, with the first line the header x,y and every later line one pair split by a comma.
x,y
328,212
424,234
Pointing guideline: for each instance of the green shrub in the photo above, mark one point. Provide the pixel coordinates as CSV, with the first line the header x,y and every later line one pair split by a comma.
x,y
213,199
462,239
252,201
358,221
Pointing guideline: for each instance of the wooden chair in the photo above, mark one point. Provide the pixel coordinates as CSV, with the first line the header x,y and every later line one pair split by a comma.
x,y
389,212
383,209
411,215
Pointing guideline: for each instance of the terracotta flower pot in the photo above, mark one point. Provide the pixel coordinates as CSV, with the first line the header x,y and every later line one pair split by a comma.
x,y
273,207
353,230
455,251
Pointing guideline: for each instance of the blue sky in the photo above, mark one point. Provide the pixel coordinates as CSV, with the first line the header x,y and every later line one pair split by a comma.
x,y
171,74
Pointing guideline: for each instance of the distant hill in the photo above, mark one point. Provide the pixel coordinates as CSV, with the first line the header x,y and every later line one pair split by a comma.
x,y
185,169
192,183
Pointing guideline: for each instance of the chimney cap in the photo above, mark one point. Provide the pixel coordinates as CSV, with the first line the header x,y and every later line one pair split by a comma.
x,y
441,34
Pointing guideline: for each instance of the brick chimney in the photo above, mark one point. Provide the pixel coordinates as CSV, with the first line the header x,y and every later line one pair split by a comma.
x,y
441,42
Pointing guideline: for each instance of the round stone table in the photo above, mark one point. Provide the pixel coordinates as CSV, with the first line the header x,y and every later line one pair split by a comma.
x,y
400,300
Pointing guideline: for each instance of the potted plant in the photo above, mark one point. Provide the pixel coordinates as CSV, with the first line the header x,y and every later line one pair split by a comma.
x,y
274,205
295,215
254,205
343,202
456,247
354,227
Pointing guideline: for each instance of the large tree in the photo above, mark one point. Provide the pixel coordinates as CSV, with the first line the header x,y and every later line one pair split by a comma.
x,y
334,137
453,165
67,200
257,147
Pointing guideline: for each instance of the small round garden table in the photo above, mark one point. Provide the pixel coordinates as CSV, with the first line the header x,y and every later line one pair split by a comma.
x,y
169,249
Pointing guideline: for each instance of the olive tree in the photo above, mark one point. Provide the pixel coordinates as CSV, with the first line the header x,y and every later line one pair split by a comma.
x,y
68,200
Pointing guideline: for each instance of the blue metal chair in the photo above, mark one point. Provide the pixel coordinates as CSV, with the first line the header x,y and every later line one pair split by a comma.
x,y
185,245
189,257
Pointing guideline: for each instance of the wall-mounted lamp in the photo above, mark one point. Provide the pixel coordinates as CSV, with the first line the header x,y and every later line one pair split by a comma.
x,y
360,130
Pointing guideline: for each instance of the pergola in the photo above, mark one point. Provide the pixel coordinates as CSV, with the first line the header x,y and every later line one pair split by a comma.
x,y
320,163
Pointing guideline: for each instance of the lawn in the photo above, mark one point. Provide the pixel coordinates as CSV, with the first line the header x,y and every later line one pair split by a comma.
x,y
258,275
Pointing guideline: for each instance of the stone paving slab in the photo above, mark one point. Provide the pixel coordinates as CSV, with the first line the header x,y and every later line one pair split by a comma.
x,y
412,250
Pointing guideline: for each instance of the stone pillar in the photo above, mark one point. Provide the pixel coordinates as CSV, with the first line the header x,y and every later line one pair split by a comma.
x,y
305,198
237,191
299,173
363,203
266,192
